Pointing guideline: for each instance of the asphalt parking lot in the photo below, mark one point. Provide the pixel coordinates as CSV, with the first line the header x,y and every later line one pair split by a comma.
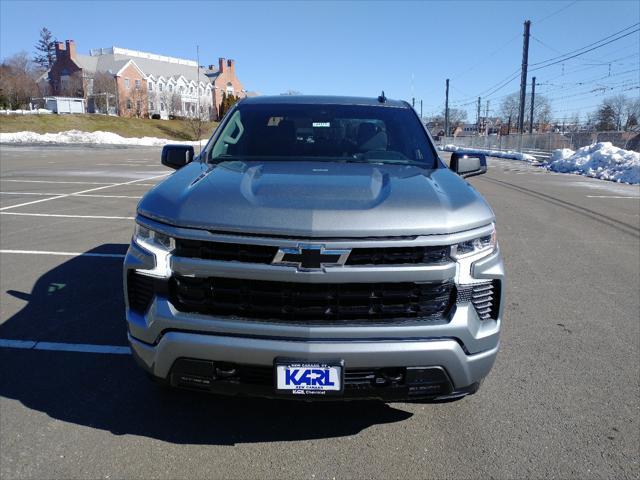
x,y
563,399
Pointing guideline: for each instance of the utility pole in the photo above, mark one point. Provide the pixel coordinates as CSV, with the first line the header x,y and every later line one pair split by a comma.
x,y
420,110
446,110
486,118
413,102
523,75
533,99
478,118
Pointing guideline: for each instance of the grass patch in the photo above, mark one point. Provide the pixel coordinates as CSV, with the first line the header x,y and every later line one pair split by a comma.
x,y
125,127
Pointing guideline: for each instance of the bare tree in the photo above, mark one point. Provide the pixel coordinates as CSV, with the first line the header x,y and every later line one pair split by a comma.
x,y
18,81
138,99
510,108
457,116
172,102
618,104
197,121
72,85
103,91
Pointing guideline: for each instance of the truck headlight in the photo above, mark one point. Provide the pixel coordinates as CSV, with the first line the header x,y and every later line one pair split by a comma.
x,y
485,244
160,245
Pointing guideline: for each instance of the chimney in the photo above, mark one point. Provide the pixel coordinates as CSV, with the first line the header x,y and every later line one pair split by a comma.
x,y
231,64
71,49
221,64
212,67
60,50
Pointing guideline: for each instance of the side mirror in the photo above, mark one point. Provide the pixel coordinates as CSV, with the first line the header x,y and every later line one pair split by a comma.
x,y
177,156
468,164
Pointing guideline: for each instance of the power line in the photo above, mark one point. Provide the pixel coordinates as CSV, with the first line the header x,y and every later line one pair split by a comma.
x,y
483,59
538,22
582,51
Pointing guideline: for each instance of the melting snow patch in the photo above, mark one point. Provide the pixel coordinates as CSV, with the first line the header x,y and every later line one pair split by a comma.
x,y
78,137
492,153
601,160
35,111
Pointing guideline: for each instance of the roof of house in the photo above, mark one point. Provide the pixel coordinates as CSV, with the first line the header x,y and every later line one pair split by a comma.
x,y
114,58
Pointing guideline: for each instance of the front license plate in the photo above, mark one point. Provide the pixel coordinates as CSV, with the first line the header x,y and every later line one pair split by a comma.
x,y
309,378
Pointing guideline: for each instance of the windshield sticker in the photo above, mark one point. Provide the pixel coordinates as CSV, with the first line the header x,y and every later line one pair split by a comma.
x,y
321,124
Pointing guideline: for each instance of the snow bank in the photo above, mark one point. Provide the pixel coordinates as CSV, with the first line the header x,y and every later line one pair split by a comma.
x,y
78,137
36,111
492,153
600,160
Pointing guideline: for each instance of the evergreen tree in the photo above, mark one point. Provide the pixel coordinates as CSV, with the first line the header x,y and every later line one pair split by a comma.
x,y
606,118
227,102
632,121
45,49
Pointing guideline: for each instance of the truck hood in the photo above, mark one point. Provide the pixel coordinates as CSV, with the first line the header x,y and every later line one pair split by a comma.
x,y
317,199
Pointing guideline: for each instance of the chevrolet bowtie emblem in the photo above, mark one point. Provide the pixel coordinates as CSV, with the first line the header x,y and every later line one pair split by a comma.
x,y
309,257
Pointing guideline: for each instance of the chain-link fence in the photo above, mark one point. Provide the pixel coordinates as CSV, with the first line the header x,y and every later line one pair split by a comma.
x,y
541,145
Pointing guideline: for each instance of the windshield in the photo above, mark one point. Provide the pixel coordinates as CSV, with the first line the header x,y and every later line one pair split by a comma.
x,y
347,133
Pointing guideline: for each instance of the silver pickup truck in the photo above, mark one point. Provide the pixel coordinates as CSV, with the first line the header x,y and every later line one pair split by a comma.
x,y
316,248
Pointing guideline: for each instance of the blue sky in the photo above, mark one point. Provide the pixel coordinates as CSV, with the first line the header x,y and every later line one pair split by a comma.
x,y
360,48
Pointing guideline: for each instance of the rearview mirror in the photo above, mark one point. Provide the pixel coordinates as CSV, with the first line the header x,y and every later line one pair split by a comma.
x,y
177,156
468,164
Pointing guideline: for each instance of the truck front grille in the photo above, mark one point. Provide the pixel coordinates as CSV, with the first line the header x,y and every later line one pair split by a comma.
x,y
312,303
237,252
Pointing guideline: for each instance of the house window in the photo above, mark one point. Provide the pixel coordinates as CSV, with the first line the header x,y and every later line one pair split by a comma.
x,y
191,91
128,104
138,106
229,89
171,88
138,84
126,83
150,86
151,106
161,107
160,87
181,89
201,91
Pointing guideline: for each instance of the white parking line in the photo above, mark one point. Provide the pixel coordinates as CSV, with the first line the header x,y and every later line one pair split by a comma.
x,y
73,195
65,347
127,164
610,196
65,254
54,181
82,191
60,215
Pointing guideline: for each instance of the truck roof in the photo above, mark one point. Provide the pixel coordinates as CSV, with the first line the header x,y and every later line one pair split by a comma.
x,y
322,99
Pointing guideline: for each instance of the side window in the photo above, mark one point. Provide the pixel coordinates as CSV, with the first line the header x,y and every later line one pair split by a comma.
x,y
231,134
126,83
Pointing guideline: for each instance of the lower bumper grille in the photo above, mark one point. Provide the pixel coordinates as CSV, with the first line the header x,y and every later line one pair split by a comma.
x,y
324,303
140,290
207,375
484,296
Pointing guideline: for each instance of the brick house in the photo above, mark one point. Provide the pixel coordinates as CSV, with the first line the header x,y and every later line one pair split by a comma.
x,y
142,83
225,81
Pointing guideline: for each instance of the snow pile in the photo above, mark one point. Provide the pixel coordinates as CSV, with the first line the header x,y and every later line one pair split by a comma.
x,y
37,111
600,160
492,153
76,136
